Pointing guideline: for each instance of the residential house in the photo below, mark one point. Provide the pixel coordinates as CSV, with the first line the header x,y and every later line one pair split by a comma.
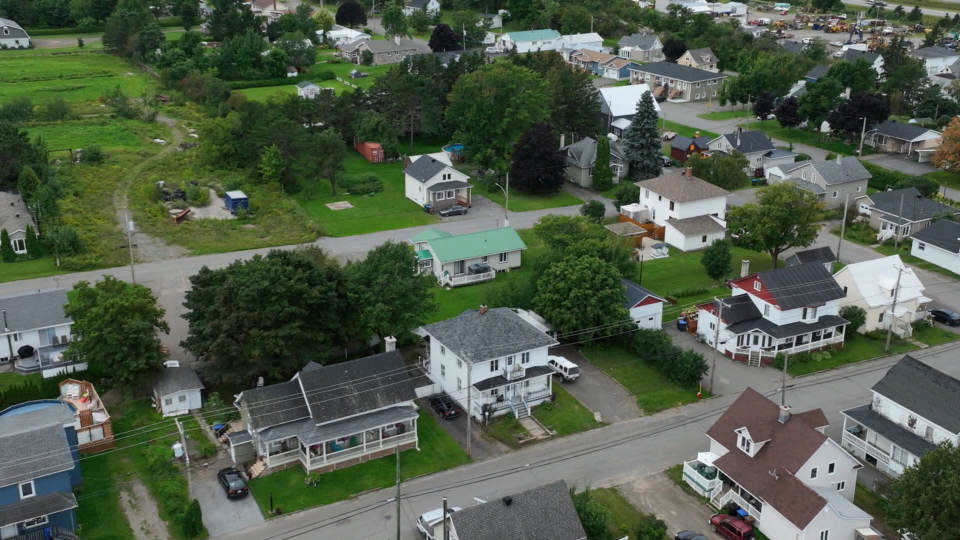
x,y
874,59
691,210
914,408
681,148
12,35
591,41
823,255
645,308
901,212
835,182
939,244
495,20
93,425
341,35
818,72
177,391
467,258
430,7
699,58
786,310
679,83
15,218
386,51
38,447
781,469
432,180
935,58
888,291
530,41
328,417
793,47
490,361
900,138
640,48
307,90
618,105
602,64
36,331
542,513
945,77
759,150
581,157
269,9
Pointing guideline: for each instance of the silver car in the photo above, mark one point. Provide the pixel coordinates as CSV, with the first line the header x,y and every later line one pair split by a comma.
x,y
427,522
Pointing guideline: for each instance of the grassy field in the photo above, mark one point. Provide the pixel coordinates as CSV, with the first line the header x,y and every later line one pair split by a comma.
x,y
946,178
8,379
108,134
567,415
522,202
935,336
773,129
264,93
724,115
99,513
855,349
75,77
36,268
686,131
87,47
624,517
76,89
438,452
342,70
858,233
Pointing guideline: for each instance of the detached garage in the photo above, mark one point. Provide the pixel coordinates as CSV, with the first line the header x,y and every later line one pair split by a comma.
x,y
177,391
646,308
693,233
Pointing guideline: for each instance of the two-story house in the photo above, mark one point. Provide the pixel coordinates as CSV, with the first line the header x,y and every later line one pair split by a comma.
x,y
692,210
935,58
431,180
491,361
834,182
700,58
676,82
781,469
530,41
430,7
467,258
582,156
618,105
640,48
914,408
40,468
328,417
786,310
939,244
874,59
759,150
35,331
901,212
888,290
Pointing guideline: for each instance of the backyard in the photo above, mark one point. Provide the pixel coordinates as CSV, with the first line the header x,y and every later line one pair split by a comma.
x,y
624,516
904,252
36,268
772,129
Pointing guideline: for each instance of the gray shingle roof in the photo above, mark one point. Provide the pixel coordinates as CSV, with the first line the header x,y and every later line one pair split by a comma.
x,y
923,390
24,432
306,84
848,170
933,52
748,142
852,55
697,225
899,436
452,184
498,332
41,505
818,71
703,56
425,168
634,294
820,255
899,130
16,31
275,404
177,379
800,286
33,310
418,4
541,513
643,42
683,143
13,213
349,388
676,71
583,153
387,45
943,233
498,381
737,309
793,47
787,330
678,188
915,207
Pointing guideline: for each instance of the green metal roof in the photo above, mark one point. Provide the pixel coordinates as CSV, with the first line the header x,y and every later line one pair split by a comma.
x,y
477,244
533,35
424,254
429,234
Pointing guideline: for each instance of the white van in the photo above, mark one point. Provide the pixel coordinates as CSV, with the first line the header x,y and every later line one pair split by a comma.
x,y
428,523
565,369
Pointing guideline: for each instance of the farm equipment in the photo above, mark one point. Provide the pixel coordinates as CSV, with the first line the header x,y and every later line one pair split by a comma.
x,y
778,25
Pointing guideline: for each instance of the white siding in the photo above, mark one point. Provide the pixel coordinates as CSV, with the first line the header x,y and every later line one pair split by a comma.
x,y
690,243
940,257
844,469
191,401
513,261
648,316
661,212
901,416
827,520
8,348
414,190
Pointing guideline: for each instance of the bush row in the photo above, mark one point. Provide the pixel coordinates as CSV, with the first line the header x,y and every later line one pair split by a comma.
x,y
172,22
170,490
883,178
283,81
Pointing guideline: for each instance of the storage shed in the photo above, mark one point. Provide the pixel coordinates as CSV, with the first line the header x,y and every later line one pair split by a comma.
x,y
236,200
372,151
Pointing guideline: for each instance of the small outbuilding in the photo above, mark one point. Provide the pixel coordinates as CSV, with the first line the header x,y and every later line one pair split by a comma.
x,y
236,200
177,391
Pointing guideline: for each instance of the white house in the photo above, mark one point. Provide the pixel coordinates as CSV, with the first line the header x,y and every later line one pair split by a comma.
x,y
467,258
340,35
781,469
491,361
591,41
914,408
177,391
431,179
834,182
36,319
692,210
12,35
756,147
430,7
530,41
874,59
901,212
495,20
787,310
877,284
646,308
936,58
940,244
618,105
307,90
15,218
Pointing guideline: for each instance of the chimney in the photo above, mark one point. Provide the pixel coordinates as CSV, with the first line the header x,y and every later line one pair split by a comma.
x,y
391,343
689,173
508,500
274,5
483,308
396,39
784,414
839,159
745,268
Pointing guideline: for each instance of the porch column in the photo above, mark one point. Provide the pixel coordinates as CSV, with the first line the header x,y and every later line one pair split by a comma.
x,y
381,437
323,447
364,435
416,434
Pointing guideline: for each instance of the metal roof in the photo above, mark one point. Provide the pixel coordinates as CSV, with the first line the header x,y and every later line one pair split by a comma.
x,y
676,71
476,244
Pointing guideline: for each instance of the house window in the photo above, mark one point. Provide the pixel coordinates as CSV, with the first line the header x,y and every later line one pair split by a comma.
x,y
495,391
703,239
745,444
880,318
714,93
921,246
510,360
459,385
443,350
858,189
459,363
27,490
19,244
825,535
182,398
525,358
451,194
841,485
928,434
459,267
835,194
831,468
766,310
671,205
590,172
898,455
813,472
713,326
756,285
504,257
438,196
443,371
42,520
698,86
484,259
168,401
494,365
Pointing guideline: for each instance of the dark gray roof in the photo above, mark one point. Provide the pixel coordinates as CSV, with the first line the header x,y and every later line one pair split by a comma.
x,y
275,404
923,390
748,142
177,379
310,366
500,380
852,55
696,225
683,143
16,31
676,186
807,185
703,56
676,71
498,332
933,52
849,169
899,436
583,153
306,84
820,255
793,46
25,432
34,310
541,513
943,233
425,168
899,130
737,309
778,153
452,184
418,4
787,330
310,433
634,294
239,437
800,286
818,71
350,388
915,206
643,42
41,505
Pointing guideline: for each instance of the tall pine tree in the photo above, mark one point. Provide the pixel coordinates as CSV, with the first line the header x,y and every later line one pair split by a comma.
x,y
602,176
641,142
6,248
34,251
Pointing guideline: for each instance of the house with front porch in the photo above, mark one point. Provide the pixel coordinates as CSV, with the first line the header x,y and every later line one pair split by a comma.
x,y
327,417
914,408
892,137
786,310
834,182
432,180
491,361
759,150
888,291
899,213
35,332
468,258
791,480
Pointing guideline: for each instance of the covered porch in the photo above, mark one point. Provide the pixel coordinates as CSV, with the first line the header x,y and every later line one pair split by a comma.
x,y
731,492
444,194
762,340
880,442
701,474
516,390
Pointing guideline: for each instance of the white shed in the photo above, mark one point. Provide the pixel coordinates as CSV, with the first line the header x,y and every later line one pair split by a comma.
x,y
177,391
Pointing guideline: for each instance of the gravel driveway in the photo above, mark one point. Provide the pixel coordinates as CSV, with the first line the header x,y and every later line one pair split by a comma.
x,y
220,514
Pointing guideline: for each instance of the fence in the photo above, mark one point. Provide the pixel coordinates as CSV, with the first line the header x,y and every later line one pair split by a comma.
x,y
348,83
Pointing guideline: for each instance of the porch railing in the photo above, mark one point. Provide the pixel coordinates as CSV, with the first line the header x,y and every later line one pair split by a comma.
x,y
704,486
282,457
514,372
803,347
467,280
538,395
733,496
316,461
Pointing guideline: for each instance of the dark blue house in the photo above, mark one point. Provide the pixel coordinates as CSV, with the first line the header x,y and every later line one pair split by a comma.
x,y
39,468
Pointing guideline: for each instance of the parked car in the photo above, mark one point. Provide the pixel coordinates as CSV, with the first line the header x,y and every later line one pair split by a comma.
x,y
232,482
667,162
731,527
455,210
428,521
807,40
493,50
669,135
689,535
946,316
563,368
444,406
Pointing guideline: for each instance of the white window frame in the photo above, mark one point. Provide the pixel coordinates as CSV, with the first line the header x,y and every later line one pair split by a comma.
x,y
459,268
835,193
831,468
494,365
494,391
443,350
168,401
19,244
443,371
825,535
756,285
921,246
33,490
459,384
438,196
182,398
745,444
841,485
504,257
525,358
766,310
459,364
451,194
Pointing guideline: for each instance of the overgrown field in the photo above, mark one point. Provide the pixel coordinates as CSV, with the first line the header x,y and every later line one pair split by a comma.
x,y
107,133
74,77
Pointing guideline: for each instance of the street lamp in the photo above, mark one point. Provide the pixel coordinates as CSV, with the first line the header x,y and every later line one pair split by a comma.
x,y
506,200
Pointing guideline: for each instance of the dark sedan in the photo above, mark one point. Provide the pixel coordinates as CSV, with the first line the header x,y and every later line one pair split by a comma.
x,y
444,406
689,535
232,482
946,316
455,210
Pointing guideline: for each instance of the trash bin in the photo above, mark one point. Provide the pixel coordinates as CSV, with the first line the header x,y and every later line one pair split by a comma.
x,y
754,181
682,325
427,208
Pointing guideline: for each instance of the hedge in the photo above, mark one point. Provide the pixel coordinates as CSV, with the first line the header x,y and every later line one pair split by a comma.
x,y
883,178
172,22
282,81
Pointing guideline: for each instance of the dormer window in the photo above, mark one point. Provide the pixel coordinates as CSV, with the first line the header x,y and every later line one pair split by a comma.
x,y
756,285
745,444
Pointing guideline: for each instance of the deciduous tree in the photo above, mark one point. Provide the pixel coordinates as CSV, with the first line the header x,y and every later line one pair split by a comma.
x,y
538,163
575,105
594,517
651,528
641,142
849,116
627,193
788,113
581,294
923,500
855,315
602,175
475,27
819,100
300,51
716,260
594,211
443,39
947,156
419,21
394,21
351,13
231,18
324,19
763,105
673,49
858,76
272,165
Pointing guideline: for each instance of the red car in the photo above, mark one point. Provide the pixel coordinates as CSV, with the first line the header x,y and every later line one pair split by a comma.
x,y
731,527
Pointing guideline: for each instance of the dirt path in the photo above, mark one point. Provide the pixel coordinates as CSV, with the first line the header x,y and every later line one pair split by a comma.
x,y
142,513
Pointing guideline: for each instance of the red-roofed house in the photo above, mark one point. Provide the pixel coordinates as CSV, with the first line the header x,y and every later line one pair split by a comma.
x,y
781,470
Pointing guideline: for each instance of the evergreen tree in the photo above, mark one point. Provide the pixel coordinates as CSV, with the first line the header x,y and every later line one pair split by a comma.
x,y
27,182
34,250
6,248
916,15
602,176
641,141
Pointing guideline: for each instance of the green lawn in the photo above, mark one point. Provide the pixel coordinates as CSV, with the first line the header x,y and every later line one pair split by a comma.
x,y
505,429
686,131
8,379
567,415
857,348
99,512
946,178
773,129
904,252
654,392
935,336
724,115
36,268
522,202
264,93
87,47
675,474
342,70
75,89
74,77
438,452
108,134
624,517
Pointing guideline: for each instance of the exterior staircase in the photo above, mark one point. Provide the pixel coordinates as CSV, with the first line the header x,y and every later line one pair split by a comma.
x,y
519,407
256,469
754,359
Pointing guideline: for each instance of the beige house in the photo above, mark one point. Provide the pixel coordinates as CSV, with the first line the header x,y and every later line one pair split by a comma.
x,y
700,58
899,138
875,286
384,51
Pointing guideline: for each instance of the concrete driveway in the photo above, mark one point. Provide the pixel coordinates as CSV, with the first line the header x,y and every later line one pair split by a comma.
x,y
658,495
597,391
220,514
900,163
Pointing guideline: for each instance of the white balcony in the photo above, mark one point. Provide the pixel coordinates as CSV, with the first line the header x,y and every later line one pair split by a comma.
x,y
703,478
446,279
513,373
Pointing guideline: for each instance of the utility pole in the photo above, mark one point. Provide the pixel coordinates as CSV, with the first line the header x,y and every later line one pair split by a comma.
x,y
446,533
843,228
893,309
716,341
186,453
133,275
863,133
748,116
397,453
469,412
464,27
783,380
896,228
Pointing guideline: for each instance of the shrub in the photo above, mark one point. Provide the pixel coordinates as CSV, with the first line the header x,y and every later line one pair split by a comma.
x,y
366,58
198,196
876,334
882,178
855,315
921,324
692,291
594,211
192,520
92,155
362,184
206,448
326,75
